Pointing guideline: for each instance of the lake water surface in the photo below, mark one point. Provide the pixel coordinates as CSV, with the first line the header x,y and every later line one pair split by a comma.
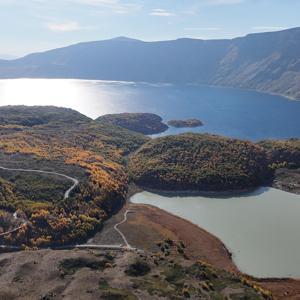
x,y
260,228
229,112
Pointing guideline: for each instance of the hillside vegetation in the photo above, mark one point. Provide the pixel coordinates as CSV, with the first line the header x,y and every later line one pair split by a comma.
x,y
103,157
113,275
91,152
283,153
36,115
145,123
284,160
199,162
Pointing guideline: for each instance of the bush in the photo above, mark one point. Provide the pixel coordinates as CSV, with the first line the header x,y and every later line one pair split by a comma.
x,y
138,268
71,265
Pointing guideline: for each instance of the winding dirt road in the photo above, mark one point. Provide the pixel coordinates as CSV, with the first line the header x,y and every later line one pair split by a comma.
x,y
120,232
66,195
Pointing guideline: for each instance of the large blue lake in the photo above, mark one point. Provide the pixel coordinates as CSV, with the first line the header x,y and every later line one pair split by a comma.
x,y
230,112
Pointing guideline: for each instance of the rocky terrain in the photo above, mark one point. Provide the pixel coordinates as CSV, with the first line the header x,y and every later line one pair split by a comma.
x,y
284,159
287,180
68,274
283,153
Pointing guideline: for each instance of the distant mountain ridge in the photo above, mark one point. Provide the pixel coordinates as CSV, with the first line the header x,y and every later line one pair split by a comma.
x,y
268,62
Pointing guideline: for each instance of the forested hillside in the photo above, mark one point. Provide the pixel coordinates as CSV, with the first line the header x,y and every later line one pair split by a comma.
x,y
104,158
69,144
199,162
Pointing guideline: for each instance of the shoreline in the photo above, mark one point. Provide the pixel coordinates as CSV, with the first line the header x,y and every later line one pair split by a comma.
x,y
290,98
213,250
220,258
198,228
194,193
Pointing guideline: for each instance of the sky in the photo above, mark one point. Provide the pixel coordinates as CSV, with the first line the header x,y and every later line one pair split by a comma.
x,y
36,25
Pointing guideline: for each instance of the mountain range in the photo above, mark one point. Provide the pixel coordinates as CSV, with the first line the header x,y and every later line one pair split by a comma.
x,y
268,62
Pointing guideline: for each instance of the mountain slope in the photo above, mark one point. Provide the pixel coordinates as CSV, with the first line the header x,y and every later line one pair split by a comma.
x,y
268,62
172,61
265,61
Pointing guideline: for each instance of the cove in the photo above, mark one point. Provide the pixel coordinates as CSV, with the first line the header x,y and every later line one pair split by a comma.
x,y
260,228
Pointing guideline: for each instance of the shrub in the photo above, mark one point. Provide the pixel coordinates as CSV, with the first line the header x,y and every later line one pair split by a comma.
x,y
71,265
138,268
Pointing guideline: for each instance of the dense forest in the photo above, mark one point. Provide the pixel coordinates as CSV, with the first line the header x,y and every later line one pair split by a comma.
x,y
145,123
73,145
199,162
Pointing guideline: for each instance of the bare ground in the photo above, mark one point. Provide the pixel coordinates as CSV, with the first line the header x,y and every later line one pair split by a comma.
x,y
287,180
31,275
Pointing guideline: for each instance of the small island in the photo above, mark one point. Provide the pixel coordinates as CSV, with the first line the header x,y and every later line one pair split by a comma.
x,y
145,123
185,123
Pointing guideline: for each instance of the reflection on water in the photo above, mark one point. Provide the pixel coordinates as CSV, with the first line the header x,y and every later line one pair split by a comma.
x,y
91,98
207,194
229,112
261,229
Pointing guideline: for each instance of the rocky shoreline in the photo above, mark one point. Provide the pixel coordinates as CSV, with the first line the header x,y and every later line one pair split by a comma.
x,y
287,180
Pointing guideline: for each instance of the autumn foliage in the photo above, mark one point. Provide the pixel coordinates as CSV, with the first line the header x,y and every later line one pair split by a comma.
x,y
96,153
199,162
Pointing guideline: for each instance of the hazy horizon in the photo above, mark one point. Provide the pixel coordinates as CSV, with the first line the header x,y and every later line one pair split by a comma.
x,y
35,26
8,56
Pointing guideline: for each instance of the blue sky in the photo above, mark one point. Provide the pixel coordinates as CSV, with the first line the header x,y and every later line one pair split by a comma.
x,y
35,25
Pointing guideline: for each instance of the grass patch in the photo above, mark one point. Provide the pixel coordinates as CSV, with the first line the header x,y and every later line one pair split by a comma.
x,y
110,293
116,294
155,286
71,265
175,274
